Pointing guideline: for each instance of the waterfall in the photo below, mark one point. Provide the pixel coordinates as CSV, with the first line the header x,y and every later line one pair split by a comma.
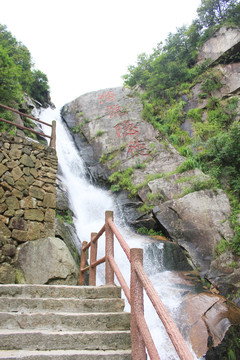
x,y
89,204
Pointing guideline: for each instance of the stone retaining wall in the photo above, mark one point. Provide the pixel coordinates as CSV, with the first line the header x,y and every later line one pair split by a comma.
x,y
27,194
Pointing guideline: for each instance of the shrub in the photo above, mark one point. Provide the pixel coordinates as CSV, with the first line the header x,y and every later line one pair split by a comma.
x,y
123,180
115,188
98,133
222,246
195,114
77,129
188,164
186,151
65,215
139,165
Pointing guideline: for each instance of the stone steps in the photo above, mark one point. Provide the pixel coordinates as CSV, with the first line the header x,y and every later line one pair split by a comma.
x,y
63,322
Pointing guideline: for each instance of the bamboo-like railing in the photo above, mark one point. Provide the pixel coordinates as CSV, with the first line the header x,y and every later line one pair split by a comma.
x,y
53,126
140,335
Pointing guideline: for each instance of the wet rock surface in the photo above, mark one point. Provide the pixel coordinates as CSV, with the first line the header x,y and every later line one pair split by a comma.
x,y
210,317
64,226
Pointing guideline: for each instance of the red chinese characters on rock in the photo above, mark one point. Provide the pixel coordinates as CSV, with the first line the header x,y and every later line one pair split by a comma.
x,y
106,97
126,128
137,147
115,111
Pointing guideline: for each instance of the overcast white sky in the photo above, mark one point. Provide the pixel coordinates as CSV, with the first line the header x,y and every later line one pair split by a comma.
x,y
87,45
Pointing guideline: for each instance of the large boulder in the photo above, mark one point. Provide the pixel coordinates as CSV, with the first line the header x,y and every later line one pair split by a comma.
x,y
47,261
223,42
110,120
197,221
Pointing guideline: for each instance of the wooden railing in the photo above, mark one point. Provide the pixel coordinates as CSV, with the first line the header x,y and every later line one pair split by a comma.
x,y
140,335
53,126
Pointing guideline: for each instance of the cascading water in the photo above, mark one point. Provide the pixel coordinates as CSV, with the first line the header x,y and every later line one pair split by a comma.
x,y
89,204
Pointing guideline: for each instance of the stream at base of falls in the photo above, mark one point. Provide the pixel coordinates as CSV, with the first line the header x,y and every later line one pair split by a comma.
x,y
89,203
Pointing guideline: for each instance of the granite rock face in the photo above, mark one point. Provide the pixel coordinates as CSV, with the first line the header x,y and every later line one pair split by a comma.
x,y
109,131
111,122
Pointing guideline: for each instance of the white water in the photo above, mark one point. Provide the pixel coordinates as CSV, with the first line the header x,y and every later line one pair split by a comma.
x,y
89,204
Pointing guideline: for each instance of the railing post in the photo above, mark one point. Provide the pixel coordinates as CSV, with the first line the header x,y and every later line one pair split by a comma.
x,y
109,249
82,264
53,136
136,294
93,258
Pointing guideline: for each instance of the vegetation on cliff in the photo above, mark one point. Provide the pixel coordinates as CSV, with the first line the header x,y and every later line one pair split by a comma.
x,y
167,77
18,75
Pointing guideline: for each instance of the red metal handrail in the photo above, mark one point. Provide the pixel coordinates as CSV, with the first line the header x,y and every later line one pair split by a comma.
x,y
140,334
53,126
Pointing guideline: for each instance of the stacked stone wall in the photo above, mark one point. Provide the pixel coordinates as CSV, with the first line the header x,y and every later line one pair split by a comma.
x,y
27,196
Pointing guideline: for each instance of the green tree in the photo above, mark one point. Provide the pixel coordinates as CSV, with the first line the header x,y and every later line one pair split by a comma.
x,y
179,46
216,12
39,88
139,74
17,74
10,87
20,55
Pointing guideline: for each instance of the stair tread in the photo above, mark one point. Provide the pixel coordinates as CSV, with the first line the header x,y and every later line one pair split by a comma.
x,y
62,332
57,340
65,321
59,286
64,313
61,304
46,286
71,291
57,352
66,354
58,299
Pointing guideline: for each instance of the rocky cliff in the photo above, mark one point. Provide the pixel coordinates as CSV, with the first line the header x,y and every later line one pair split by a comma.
x,y
122,149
